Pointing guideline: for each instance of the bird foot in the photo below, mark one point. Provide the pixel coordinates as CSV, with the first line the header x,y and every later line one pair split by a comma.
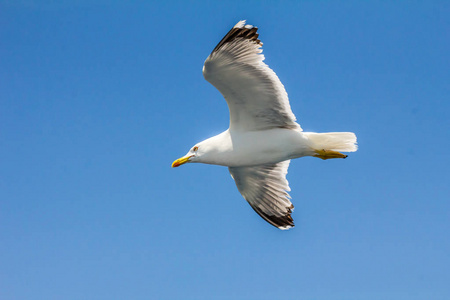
x,y
327,154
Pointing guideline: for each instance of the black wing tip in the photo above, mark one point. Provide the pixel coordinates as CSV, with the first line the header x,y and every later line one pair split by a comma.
x,y
281,222
240,30
248,32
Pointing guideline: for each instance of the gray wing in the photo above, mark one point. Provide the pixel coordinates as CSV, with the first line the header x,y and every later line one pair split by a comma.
x,y
265,188
256,98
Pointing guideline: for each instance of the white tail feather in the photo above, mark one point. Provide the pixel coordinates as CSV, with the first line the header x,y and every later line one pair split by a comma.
x,y
336,141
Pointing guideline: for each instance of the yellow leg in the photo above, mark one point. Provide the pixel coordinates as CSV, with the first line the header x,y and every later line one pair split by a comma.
x,y
327,154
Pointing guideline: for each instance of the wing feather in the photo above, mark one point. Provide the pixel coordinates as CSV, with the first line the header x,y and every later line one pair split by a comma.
x,y
256,98
265,188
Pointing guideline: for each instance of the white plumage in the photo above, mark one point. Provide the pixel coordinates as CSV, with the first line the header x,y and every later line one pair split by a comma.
x,y
263,134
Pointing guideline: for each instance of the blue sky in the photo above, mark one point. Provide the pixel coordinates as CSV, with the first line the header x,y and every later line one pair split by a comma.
x,y
97,100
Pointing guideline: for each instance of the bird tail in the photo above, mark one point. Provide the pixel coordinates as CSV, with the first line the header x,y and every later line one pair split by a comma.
x,y
336,141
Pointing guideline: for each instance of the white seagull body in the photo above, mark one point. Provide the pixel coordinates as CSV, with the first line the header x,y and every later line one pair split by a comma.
x,y
263,135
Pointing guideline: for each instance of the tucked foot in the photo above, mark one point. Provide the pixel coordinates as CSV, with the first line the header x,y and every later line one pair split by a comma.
x,y
327,154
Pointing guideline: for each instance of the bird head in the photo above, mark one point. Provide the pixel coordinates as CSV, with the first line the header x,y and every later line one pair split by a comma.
x,y
189,157
209,151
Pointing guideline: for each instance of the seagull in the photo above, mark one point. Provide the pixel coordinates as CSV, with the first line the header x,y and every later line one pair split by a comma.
x,y
263,135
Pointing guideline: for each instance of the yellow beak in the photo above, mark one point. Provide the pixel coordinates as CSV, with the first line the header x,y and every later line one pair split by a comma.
x,y
181,161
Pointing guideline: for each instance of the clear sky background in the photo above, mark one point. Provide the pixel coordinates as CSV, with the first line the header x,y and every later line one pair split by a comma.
x,y
97,100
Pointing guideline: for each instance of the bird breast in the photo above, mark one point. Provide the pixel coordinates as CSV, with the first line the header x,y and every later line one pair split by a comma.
x,y
249,148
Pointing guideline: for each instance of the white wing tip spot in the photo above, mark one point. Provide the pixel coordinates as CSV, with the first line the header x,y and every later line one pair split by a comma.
x,y
286,227
241,24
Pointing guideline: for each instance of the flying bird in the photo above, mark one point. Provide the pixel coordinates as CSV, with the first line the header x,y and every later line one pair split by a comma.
x,y
263,135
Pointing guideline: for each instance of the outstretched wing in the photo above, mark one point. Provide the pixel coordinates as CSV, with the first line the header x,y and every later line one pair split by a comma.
x,y
265,188
256,98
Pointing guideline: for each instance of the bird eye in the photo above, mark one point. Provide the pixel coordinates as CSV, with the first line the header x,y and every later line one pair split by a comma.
x,y
195,148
